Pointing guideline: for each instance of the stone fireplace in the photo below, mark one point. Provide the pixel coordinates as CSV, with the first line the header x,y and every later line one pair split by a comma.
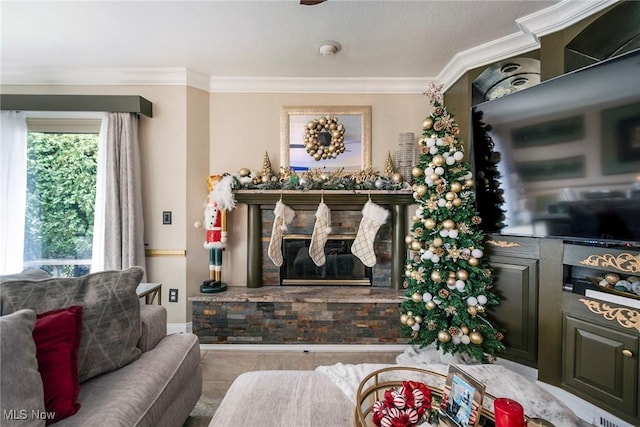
x,y
346,214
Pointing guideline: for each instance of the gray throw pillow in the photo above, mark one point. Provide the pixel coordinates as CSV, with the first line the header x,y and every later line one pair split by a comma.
x,y
28,274
110,313
21,392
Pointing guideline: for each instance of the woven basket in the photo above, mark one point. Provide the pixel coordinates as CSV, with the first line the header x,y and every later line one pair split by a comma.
x,y
373,386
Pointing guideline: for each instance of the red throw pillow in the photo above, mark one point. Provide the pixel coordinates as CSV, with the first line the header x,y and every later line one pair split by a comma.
x,y
57,336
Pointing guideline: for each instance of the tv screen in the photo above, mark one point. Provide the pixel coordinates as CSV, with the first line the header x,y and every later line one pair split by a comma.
x,y
563,156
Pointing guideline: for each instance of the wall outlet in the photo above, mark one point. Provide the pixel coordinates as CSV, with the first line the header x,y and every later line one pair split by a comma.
x,y
173,295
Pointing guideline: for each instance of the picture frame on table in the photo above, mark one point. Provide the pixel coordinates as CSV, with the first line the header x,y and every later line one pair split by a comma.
x,y
461,402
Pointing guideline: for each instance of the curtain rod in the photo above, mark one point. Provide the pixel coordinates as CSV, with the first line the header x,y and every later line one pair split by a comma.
x,y
107,103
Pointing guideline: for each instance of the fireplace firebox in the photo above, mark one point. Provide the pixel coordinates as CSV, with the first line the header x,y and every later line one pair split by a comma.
x,y
341,266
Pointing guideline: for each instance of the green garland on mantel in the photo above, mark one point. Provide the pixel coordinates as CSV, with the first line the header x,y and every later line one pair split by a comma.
x,y
318,180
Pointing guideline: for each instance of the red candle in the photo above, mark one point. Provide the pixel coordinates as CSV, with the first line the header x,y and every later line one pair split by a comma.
x,y
508,413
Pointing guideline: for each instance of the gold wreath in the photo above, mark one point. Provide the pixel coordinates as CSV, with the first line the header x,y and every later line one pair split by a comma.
x,y
316,140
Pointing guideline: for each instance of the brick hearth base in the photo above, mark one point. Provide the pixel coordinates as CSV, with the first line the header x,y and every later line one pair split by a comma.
x,y
298,315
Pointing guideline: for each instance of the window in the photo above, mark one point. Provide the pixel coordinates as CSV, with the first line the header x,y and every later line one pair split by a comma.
x,y
61,185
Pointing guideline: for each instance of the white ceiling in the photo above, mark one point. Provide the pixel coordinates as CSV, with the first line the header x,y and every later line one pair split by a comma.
x,y
219,45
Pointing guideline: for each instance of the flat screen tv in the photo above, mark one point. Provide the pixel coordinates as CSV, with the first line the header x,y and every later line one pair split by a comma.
x,y
565,155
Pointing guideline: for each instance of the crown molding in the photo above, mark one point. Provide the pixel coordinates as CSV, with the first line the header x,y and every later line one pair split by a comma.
x,y
531,28
319,85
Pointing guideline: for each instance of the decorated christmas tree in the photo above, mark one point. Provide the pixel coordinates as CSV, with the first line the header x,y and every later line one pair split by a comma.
x,y
448,281
489,194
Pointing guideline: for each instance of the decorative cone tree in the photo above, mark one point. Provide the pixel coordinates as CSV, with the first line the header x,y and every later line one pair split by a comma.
x,y
489,195
447,279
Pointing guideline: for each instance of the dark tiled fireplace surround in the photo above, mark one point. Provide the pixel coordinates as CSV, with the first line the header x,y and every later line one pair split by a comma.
x,y
266,313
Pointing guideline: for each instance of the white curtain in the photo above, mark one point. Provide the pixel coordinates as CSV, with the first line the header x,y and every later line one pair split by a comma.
x,y
123,222
13,189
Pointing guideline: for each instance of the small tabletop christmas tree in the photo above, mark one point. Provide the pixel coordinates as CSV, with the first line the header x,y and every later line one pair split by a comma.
x,y
447,278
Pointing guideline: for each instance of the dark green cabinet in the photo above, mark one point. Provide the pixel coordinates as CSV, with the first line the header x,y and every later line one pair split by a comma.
x,y
515,268
600,364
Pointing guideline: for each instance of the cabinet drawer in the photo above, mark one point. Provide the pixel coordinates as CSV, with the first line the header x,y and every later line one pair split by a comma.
x,y
609,259
525,247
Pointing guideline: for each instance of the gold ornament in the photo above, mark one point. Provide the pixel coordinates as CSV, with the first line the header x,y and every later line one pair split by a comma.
x,y
416,245
324,138
429,223
438,160
437,242
450,195
444,336
416,172
451,281
481,309
411,321
408,240
473,262
427,123
448,224
430,305
611,278
469,183
464,329
476,337
403,319
396,177
435,276
472,310
462,274
457,202
434,177
456,187
416,297
421,190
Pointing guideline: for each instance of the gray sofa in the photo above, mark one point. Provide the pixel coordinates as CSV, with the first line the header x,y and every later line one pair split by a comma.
x,y
130,372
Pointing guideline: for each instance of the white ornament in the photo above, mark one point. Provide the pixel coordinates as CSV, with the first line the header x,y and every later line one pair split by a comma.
x,y
428,171
439,170
440,142
426,297
416,326
444,233
482,299
453,234
458,155
456,340
431,142
442,202
471,301
460,285
433,150
466,251
427,254
465,339
450,161
435,259
476,253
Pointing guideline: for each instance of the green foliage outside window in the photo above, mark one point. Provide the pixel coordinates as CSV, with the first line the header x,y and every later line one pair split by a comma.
x,y
61,188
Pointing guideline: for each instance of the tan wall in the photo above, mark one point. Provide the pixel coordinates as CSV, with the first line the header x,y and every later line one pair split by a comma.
x,y
244,126
194,134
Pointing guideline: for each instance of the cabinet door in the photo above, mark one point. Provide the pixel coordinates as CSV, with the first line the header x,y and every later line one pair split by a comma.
x,y
595,367
516,284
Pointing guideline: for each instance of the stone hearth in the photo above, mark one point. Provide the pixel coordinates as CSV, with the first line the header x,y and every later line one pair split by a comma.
x,y
299,315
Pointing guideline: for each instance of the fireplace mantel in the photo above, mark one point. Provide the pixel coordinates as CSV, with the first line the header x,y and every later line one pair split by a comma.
x,y
397,201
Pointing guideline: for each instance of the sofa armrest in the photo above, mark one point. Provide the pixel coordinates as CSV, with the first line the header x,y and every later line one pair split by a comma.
x,y
154,326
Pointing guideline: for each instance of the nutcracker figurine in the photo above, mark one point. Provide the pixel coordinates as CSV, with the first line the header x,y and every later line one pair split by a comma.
x,y
218,202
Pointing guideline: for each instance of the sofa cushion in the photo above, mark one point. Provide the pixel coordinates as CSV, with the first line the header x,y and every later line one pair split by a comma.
x,y
27,274
57,335
20,382
110,313
157,390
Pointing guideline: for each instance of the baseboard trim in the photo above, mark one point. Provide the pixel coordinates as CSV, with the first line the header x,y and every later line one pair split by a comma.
x,y
307,347
179,328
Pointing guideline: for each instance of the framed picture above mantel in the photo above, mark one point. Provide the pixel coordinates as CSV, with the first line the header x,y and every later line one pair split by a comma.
x,y
325,137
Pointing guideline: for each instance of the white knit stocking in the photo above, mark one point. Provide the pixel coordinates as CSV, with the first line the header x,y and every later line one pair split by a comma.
x,y
320,235
283,216
373,216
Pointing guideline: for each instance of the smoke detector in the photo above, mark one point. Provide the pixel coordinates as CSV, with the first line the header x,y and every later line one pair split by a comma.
x,y
330,48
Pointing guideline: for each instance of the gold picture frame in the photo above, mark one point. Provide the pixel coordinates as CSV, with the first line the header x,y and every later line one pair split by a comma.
x,y
357,138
